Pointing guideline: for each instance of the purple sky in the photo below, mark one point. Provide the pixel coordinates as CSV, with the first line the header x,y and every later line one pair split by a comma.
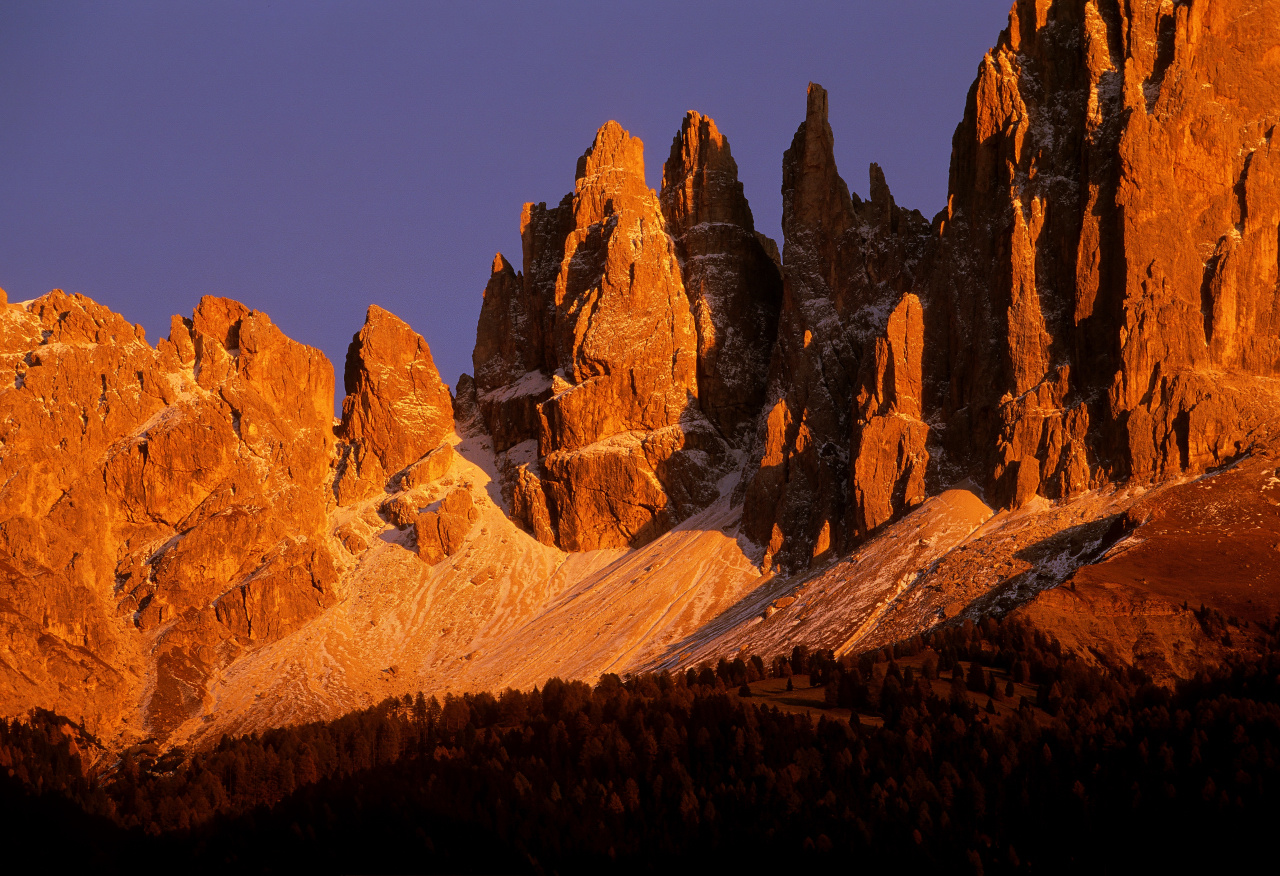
x,y
309,159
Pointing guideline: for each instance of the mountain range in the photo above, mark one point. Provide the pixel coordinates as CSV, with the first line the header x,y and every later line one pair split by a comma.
x,y
1058,397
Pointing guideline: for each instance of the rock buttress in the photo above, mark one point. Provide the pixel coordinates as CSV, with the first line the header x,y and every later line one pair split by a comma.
x,y
604,350
734,285
397,408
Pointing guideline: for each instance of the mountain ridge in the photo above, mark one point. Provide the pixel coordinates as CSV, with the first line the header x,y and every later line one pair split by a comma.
x,y
954,417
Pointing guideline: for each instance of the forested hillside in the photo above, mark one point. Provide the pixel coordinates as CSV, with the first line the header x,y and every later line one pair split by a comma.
x,y
974,749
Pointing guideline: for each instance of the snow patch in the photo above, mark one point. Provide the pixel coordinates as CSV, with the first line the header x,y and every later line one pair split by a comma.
x,y
531,383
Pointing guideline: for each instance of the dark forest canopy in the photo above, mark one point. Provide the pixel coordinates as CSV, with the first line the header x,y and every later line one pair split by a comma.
x,y
976,749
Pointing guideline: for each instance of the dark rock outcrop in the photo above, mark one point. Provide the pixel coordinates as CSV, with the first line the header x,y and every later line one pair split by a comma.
x,y
849,265
733,283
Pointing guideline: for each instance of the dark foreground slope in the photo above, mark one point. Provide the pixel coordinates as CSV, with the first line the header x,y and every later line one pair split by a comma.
x,y
975,749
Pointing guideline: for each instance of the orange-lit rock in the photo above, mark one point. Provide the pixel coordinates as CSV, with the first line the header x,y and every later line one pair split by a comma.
x,y
887,475
1114,205
146,487
397,408
604,353
440,531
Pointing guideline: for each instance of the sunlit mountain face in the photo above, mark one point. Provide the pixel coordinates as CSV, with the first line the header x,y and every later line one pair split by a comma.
x,y
948,540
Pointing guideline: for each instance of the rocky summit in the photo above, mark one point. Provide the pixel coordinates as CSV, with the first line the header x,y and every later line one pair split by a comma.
x,y
1058,397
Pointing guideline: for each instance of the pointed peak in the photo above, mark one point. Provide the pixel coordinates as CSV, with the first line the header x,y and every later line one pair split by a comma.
x,y
376,314
219,318
700,178
501,265
703,127
615,148
880,194
816,108
699,136
698,145
813,194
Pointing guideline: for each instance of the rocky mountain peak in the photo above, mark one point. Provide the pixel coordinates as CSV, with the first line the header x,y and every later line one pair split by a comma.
x,y
612,161
605,369
610,179
700,179
397,408
931,420
814,195
733,284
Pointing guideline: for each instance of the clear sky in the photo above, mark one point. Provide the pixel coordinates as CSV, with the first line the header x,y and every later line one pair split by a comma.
x,y
309,159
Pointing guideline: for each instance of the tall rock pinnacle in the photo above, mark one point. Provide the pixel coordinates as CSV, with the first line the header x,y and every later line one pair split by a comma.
x,y
397,408
734,285
604,350
848,265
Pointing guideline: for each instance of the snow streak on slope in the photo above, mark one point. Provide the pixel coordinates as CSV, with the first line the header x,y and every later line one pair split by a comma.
x,y
837,607
506,610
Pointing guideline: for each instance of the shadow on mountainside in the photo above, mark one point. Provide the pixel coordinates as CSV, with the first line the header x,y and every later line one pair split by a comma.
x,y
1052,560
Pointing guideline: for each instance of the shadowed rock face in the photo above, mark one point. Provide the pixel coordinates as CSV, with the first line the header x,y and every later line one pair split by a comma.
x,y
733,283
839,367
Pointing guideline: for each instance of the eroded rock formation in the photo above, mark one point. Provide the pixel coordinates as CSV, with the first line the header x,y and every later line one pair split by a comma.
x,y
1098,303
587,362
162,509
733,283
1099,298
397,408
441,530
1111,232
849,265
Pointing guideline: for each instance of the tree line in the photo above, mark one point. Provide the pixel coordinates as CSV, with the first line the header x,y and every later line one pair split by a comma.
x,y
942,764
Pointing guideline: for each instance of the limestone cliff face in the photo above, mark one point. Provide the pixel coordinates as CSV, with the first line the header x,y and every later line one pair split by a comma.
x,y
733,283
841,366
165,511
1105,290
162,509
1097,302
590,366
889,456
397,408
